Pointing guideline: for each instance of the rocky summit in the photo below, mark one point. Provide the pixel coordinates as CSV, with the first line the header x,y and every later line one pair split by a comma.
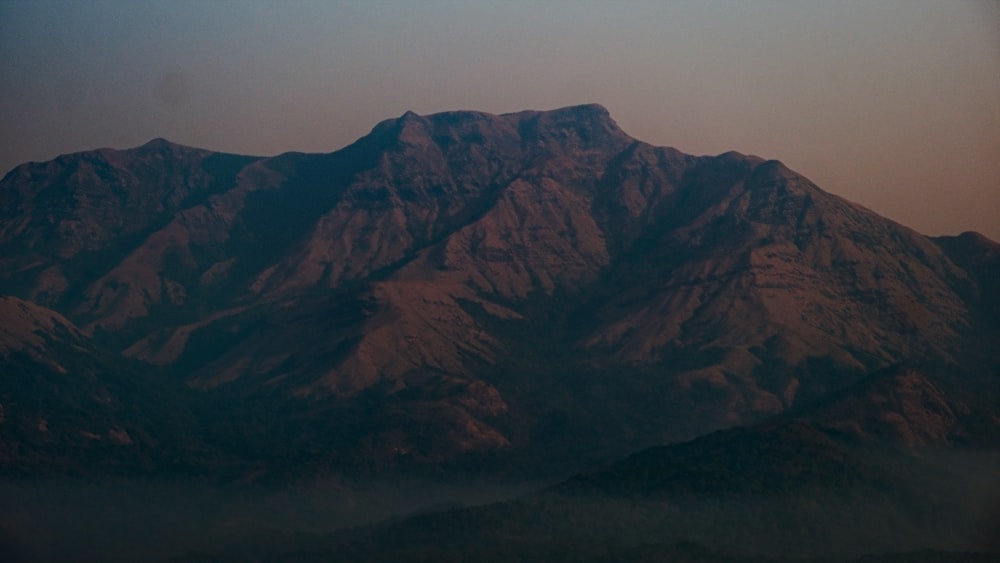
x,y
533,292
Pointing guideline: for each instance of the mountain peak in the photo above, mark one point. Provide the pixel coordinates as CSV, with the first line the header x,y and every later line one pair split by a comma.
x,y
590,114
975,238
158,143
586,126
592,109
583,126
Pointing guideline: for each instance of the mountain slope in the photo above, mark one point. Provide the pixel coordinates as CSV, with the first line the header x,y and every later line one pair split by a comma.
x,y
903,406
68,408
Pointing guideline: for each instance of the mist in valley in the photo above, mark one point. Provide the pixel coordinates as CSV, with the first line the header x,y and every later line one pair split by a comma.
x,y
162,520
190,520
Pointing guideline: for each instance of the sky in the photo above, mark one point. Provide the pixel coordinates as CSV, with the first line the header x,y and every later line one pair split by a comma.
x,y
893,104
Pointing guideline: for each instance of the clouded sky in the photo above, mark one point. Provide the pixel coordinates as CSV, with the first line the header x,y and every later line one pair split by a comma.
x,y
894,104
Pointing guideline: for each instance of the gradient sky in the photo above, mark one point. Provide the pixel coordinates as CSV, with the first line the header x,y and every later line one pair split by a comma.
x,y
894,104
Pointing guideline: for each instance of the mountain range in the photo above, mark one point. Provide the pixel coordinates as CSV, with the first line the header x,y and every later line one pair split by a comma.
x,y
522,295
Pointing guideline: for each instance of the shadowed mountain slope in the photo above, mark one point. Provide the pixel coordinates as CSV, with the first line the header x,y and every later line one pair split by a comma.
x,y
67,407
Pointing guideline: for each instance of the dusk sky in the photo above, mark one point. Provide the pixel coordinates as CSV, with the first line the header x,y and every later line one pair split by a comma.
x,y
894,104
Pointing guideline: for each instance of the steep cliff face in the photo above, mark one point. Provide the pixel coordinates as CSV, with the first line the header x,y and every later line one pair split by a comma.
x,y
535,280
